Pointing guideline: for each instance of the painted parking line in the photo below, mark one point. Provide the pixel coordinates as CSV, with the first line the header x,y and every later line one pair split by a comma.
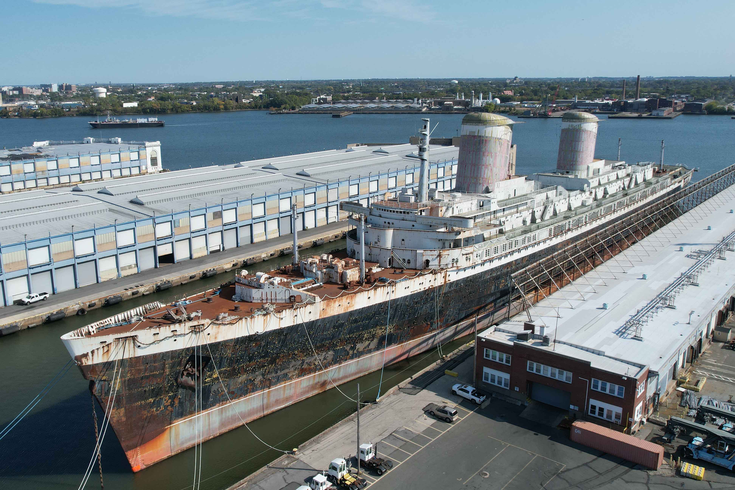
x,y
406,440
419,434
535,472
718,377
526,450
483,466
521,471
429,426
395,466
395,447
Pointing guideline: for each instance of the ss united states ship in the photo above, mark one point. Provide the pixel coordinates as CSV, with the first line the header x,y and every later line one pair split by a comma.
x,y
418,267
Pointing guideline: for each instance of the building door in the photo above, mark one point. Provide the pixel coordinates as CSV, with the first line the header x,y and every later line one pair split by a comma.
x,y
551,396
41,282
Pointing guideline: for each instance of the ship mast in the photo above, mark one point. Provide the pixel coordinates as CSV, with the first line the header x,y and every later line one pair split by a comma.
x,y
424,157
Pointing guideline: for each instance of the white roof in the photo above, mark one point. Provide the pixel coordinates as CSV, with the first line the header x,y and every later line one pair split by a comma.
x,y
588,331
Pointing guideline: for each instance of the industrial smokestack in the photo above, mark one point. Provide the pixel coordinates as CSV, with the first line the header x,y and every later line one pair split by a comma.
x,y
638,88
624,82
661,165
577,142
484,152
424,158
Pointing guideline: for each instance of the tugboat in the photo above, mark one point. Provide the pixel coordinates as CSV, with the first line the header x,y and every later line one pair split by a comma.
x,y
140,122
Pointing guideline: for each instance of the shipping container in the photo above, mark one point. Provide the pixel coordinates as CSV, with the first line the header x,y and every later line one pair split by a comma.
x,y
618,444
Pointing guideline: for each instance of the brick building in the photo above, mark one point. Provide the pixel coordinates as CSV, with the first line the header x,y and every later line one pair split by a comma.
x,y
523,366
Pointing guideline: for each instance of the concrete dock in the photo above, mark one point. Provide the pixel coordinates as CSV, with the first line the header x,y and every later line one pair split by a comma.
x,y
18,317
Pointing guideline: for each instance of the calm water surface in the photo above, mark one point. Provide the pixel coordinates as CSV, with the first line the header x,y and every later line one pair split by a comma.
x,y
52,446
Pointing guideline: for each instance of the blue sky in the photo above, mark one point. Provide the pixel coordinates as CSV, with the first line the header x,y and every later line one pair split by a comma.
x,y
86,41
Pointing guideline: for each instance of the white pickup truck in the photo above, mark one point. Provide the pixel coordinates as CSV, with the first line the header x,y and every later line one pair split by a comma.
x,y
33,298
468,393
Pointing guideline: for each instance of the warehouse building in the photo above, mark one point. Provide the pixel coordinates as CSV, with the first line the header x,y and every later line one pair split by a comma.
x,y
51,164
98,231
609,346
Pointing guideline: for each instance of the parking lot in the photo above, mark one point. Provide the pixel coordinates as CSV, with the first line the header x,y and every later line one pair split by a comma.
x,y
498,446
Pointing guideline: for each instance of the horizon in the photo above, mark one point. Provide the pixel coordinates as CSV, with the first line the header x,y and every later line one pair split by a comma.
x,y
87,41
113,83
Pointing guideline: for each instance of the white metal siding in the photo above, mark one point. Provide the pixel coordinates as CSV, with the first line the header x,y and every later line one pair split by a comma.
x,y
197,223
245,235
215,242
41,282
38,256
64,278
17,288
272,228
229,215
285,224
146,259
84,246
199,246
165,249
231,238
87,273
182,250
108,268
309,220
125,238
128,264
163,229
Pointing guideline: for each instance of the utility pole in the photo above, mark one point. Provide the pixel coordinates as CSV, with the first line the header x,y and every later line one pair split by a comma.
x,y
477,350
358,429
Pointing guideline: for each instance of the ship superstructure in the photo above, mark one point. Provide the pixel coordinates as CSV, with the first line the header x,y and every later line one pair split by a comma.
x,y
418,267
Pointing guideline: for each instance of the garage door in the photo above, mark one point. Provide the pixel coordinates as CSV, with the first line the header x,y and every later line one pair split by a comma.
x,y
285,224
182,250
65,278
41,283
245,235
17,288
108,268
199,246
146,259
87,273
215,242
231,238
551,396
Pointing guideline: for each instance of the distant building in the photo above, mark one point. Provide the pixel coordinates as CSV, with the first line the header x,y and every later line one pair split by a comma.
x,y
694,107
49,163
130,104
50,87
507,92
68,88
322,99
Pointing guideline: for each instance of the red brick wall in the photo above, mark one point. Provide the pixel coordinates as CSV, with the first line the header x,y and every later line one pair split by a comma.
x,y
580,388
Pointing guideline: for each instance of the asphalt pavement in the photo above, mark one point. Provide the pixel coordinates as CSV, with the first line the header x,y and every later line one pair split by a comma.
x,y
489,447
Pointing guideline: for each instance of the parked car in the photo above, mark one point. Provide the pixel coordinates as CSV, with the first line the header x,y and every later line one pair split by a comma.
x,y
468,392
33,298
442,412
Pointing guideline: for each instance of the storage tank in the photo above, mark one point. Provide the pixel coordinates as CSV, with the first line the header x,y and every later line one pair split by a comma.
x,y
621,445
484,149
577,142
100,92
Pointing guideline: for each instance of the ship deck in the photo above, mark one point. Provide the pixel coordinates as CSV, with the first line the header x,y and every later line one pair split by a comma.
x,y
214,302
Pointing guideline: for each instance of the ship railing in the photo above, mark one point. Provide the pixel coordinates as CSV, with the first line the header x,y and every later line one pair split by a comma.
x,y
96,140
116,320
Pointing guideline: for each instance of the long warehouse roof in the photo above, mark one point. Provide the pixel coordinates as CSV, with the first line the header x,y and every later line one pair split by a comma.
x,y
638,279
64,149
38,213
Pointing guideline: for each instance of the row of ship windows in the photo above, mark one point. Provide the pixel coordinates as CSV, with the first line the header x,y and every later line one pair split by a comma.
x,y
30,167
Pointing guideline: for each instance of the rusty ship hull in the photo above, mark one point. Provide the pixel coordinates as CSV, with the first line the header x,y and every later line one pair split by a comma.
x,y
153,415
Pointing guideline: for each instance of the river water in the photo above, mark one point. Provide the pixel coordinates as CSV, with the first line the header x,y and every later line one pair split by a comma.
x,y
51,447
